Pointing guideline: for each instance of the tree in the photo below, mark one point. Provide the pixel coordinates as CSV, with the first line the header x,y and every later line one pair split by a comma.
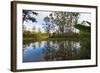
x,y
73,20
39,30
33,28
48,25
60,19
28,15
65,21
61,22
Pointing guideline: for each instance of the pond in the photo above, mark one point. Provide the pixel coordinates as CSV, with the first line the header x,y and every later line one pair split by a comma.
x,y
56,50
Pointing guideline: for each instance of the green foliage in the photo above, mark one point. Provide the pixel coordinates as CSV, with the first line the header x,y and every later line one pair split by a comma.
x,y
64,35
28,15
48,24
28,34
34,35
65,20
83,28
85,37
85,31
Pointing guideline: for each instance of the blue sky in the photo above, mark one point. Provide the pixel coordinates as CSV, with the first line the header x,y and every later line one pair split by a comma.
x,y
42,14
39,22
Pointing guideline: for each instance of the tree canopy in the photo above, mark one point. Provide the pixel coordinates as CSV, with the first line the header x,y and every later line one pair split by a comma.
x,y
28,15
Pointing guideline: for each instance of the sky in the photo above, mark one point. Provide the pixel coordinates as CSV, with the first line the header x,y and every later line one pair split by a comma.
x,y
42,14
39,23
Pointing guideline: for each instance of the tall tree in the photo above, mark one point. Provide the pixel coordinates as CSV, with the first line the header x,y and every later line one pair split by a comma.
x,y
73,20
48,25
65,20
60,19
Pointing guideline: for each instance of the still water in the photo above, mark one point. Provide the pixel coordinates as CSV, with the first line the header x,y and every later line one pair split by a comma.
x,y
55,50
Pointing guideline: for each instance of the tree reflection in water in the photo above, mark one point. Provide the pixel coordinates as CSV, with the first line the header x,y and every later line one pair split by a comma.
x,y
56,50
61,50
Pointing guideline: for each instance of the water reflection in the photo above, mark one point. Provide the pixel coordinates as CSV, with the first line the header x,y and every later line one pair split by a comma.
x,y
55,51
